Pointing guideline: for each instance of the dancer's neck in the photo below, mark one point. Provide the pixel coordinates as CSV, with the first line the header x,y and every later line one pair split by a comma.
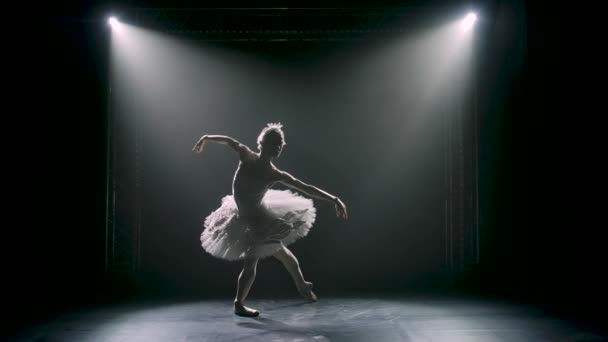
x,y
264,158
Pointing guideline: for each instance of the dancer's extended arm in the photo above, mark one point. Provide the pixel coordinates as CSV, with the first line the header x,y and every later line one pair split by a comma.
x,y
313,191
242,150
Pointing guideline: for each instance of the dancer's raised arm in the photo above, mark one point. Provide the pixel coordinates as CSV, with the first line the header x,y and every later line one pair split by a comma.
x,y
313,191
242,150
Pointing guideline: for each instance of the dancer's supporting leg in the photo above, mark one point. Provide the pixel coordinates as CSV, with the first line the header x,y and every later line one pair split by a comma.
x,y
245,281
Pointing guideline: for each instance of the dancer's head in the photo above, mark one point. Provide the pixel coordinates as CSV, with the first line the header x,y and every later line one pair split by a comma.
x,y
271,140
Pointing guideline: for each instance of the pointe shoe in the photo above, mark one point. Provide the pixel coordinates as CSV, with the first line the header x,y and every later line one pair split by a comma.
x,y
242,310
306,291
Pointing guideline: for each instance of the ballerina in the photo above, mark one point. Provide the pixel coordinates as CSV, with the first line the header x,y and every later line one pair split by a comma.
x,y
256,222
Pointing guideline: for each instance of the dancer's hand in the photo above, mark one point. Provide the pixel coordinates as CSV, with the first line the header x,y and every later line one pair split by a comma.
x,y
198,148
340,209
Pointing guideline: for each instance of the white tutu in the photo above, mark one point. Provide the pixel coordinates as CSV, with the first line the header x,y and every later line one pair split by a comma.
x,y
286,217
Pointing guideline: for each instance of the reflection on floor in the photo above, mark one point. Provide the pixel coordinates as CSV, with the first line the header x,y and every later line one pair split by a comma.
x,y
330,319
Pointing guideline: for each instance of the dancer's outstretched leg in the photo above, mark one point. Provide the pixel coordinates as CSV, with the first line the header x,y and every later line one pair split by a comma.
x,y
292,265
245,281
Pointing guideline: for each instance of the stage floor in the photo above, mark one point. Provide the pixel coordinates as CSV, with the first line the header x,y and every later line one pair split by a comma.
x,y
369,319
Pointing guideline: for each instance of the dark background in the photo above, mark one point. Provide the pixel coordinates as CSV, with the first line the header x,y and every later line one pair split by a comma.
x,y
541,236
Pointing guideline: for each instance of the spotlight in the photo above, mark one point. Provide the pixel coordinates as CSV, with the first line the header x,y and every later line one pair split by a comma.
x,y
113,22
468,22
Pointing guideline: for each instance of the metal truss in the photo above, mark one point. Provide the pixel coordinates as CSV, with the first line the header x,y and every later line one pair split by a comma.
x,y
124,221
316,24
462,185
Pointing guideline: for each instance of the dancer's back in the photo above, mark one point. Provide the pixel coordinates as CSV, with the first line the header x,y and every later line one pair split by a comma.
x,y
251,181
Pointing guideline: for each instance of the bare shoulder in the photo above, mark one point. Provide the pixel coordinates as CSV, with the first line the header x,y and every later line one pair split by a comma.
x,y
245,153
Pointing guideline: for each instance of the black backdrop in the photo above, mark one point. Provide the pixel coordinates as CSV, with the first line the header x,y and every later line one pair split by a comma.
x,y
359,140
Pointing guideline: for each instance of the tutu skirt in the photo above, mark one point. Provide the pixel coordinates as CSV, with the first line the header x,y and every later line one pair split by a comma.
x,y
282,218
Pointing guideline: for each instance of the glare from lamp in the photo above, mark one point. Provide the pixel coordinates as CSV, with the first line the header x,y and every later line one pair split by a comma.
x,y
468,22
